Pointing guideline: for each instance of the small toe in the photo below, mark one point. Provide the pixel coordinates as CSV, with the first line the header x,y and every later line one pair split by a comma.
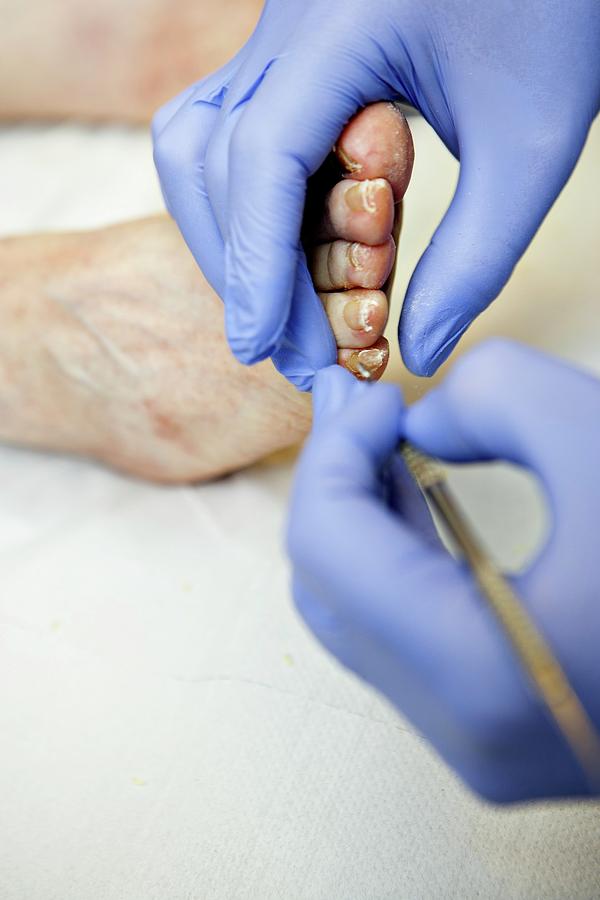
x,y
341,265
361,211
368,364
357,317
377,143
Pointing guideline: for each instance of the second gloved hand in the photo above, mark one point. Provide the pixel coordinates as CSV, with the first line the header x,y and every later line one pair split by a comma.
x,y
387,600
511,88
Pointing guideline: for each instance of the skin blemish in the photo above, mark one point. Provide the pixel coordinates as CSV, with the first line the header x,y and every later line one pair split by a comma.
x,y
164,426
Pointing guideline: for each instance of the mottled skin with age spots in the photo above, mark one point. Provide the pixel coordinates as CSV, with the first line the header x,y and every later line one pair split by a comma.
x,y
111,342
126,359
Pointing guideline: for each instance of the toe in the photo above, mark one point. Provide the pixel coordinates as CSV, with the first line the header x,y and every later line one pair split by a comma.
x,y
357,317
368,364
349,236
377,143
341,265
361,211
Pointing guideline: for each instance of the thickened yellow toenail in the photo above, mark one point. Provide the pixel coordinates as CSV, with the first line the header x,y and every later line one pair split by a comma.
x,y
358,314
357,256
361,197
365,363
349,164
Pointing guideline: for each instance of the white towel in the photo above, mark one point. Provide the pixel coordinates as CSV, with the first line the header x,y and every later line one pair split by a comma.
x,y
168,730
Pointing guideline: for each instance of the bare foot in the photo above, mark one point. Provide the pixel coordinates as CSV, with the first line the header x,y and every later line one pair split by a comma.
x,y
352,217
112,59
112,346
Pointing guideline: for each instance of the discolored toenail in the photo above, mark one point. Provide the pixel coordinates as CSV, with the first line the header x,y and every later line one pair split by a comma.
x,y
361,197
358,256
358,314
349,164
365,363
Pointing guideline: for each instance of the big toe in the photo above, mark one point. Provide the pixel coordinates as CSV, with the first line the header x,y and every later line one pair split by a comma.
x,y
377,143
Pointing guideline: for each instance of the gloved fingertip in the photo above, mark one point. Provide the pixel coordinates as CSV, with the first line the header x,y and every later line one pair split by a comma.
x,y
420,418
247,352
329,375
246,338
332,387
424,349
434,426
254,332
303,383
416,361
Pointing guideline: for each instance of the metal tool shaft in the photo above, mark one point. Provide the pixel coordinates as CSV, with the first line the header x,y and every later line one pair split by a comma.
x,y
533,651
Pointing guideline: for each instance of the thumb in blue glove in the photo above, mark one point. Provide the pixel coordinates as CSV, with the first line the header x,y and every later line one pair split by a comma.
x,y
510,88
393,606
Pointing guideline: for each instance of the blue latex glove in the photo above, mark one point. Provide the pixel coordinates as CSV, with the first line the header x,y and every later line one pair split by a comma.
x,y
510,87
381,594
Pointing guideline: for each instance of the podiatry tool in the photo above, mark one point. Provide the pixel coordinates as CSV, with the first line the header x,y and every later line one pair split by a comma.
x,y
533,651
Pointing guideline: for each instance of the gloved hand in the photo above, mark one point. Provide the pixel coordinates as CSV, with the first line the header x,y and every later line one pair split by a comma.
x,y
510,87
382,595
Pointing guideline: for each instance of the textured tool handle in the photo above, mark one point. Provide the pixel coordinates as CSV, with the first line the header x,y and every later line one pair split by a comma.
x,y
533,651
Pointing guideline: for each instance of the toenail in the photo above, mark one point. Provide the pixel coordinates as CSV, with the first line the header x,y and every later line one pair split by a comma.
x,y
358,314
361,197
358,256
365,363
348,163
